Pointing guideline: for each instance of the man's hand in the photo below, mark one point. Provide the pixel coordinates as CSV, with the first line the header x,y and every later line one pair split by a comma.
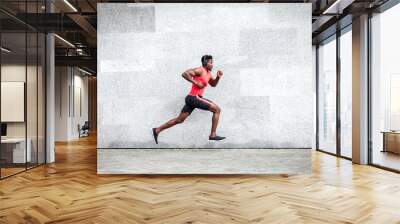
x,y
219,73
213,82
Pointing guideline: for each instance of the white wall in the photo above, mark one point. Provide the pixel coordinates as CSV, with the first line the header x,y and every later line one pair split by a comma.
x,y
79,117
34,125
61,103
16,72
68,81
9,73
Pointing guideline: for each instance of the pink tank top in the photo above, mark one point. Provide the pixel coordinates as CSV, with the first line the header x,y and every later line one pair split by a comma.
x,y
204,78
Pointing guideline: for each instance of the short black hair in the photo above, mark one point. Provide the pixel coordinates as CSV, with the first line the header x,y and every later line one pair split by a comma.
x,y
205,59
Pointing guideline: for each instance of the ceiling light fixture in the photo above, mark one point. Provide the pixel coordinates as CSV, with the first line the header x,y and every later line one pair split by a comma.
x,y
5,49
64,40
70,5
84,71
333,6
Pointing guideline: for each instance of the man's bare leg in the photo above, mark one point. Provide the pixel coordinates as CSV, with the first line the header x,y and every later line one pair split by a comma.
x,y
216,112
180,119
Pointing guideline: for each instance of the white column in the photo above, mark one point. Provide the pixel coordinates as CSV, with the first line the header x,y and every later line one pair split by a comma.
x,y
360,90
50,93
314,74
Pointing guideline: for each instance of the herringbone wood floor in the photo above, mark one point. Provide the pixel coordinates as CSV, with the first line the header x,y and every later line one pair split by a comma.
x,y
70,191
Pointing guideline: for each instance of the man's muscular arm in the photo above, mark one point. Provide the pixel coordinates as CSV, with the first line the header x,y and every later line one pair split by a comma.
x,y
190,73
214,82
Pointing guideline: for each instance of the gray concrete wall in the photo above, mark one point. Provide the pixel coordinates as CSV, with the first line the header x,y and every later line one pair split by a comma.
x,y
204,161
264,51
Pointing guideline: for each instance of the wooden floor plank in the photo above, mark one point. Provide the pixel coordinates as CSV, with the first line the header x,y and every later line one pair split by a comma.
x,y
70,191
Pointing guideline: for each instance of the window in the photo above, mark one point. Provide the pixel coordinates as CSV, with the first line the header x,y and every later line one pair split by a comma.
x,y
346,74
327,96
385,88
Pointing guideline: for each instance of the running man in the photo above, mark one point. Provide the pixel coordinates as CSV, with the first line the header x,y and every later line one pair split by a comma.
x,y
200,78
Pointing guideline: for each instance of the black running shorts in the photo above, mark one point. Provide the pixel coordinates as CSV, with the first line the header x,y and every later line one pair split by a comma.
x,y
192,102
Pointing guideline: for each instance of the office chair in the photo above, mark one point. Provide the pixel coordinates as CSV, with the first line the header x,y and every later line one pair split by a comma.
x,y
84,130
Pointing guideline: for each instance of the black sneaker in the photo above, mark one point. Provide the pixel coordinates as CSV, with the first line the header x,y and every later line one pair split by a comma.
x,y
155,135
216,138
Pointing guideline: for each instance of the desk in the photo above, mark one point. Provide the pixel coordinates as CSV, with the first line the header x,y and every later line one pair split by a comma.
x,y
16,148
391,141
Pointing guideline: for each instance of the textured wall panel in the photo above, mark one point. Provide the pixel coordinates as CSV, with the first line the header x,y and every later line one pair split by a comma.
x,y
264,51
203,161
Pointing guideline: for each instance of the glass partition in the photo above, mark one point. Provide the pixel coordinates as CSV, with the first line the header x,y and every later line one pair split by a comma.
x,y
22,78
13,109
